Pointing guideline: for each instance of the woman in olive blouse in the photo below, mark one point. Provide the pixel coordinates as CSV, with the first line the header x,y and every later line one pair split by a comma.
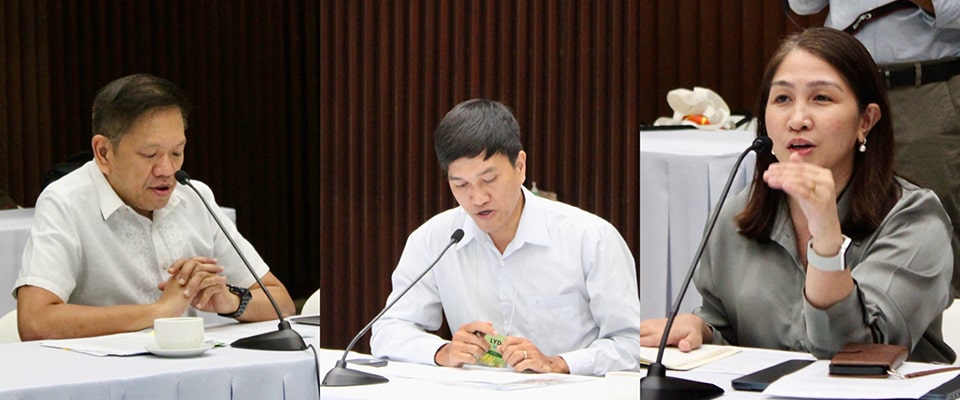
x,y
828,246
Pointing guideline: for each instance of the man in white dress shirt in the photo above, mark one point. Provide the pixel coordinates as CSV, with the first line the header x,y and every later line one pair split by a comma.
x,y
115,244
558,282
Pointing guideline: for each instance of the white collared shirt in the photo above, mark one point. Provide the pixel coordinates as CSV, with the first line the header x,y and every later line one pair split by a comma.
x,y
567,282
87,247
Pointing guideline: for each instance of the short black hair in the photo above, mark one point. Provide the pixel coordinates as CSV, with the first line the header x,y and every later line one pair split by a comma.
x,y
475,127
119,103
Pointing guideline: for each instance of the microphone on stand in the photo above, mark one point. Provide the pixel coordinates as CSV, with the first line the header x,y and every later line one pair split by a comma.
x,y
340,375
284,338
657,385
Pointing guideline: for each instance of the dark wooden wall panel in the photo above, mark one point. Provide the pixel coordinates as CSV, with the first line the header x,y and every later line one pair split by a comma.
x,y
250,68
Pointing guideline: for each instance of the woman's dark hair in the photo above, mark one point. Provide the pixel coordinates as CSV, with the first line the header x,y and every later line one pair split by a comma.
x,y
873,188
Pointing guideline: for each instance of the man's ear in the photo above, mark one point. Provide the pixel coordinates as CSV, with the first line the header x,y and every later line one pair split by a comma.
x,y
522,166
102,152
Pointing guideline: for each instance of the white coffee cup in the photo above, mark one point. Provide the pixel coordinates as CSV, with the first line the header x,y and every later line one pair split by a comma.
x,y
622,385
178,333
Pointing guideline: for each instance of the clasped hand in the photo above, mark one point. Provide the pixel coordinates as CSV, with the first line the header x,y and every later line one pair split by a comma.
x,y
469,344
197,282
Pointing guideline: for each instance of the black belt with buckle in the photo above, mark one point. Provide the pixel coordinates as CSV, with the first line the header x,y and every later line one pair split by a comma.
x,y
920,73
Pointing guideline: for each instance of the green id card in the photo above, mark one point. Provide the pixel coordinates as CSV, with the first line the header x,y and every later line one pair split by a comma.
x,y
493,358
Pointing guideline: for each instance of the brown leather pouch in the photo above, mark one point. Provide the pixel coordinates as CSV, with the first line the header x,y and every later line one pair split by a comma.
x,y
867,359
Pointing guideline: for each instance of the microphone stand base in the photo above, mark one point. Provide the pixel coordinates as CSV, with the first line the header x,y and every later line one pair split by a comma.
x,y
671,388
343,376
285,338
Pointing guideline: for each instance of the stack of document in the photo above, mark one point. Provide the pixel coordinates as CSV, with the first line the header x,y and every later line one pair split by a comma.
x,y
120,344
815,382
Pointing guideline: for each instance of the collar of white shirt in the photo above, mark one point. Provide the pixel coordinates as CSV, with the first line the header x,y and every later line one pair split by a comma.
x,y
531,229
109,200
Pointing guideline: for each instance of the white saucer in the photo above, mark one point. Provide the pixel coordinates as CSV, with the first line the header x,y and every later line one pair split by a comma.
x,y
156,350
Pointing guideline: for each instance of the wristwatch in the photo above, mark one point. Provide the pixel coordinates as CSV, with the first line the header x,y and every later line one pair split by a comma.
x,y
244,295
834,263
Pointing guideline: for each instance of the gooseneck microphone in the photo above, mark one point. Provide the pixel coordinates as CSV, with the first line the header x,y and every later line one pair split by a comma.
x,y
340,375
657,385
284,338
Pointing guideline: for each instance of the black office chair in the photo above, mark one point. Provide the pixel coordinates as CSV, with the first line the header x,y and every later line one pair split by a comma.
x,y
6,202
61,169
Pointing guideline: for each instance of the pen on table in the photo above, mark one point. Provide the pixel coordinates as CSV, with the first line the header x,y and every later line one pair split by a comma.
x,y
923,373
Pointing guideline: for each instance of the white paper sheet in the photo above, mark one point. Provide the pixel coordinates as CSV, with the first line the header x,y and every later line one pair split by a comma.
x,y
814,381
120,344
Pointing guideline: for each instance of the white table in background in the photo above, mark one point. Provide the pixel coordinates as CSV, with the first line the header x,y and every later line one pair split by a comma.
x,y
14,230
682,173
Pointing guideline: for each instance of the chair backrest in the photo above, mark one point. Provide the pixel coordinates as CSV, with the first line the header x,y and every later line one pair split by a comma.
x,y
6,202
312,305
61,169
8,328
951,327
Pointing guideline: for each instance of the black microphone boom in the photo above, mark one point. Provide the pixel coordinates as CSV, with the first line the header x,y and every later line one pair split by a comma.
x,y
284,338
657,385
340,375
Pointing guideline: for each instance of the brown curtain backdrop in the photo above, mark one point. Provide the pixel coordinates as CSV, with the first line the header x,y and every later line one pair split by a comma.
x,y
721,45
392,69
249,67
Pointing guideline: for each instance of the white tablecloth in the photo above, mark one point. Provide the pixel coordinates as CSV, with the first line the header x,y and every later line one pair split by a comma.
x,y
14,230
414,381
32,371
682,174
